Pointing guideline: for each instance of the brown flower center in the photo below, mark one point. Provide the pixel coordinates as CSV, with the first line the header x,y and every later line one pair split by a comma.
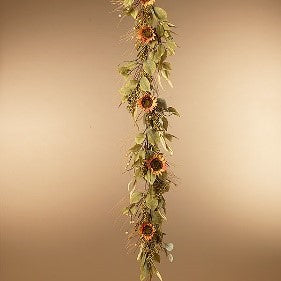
x,y
156,164
147,32
146,102
147,230
144,1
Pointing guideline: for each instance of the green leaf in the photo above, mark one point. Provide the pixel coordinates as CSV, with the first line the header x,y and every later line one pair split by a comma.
x,y
135,197
169,137
160,30
138,172
137,163
124,71
124,96
135,148
132,84
126,68
140,253
135,112
165,123
171,46
125,91
166,73
150,177
160,13
150,56
164,56
134,13
149,67
159,52
144,270
169,247
159,275
161,103
128,88
154,20
159,80
142,154
126,211
165,145
142,276
153,137
168,34
173,111
128,3
166,26
162,215
156,218
170,257
144,84
133,182
156,257
151,201
171,24
130,64
153,43
140,138
132,209
167,66
143,263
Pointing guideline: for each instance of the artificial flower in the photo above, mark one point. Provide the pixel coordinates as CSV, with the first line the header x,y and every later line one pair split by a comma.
x,y
157,164
147,102
147,231
146,34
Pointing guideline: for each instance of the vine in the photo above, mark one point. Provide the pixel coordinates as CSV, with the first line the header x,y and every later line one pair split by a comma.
x,y
154,43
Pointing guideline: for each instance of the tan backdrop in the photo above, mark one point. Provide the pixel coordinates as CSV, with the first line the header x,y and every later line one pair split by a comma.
x,y
63,141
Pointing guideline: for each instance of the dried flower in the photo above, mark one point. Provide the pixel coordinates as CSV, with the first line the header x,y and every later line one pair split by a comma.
x,y
157,164
146,34
147,231
147,102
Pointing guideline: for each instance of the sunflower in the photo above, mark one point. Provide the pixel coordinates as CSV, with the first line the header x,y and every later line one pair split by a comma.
x,y
146,34
147,102
147,231
147,2
157,164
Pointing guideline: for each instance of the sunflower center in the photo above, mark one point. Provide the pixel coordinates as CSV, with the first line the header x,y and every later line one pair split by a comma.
x,y
156,164
147,230
147,102
147,32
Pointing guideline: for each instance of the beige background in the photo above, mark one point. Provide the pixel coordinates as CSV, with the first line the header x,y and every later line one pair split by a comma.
x,y
63,141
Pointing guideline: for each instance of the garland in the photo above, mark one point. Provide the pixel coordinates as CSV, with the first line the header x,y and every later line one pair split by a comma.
x,y
147,209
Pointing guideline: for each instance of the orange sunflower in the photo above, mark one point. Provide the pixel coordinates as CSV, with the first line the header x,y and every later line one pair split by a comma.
x,y
147,231
157,164
147,102
146,34
147,2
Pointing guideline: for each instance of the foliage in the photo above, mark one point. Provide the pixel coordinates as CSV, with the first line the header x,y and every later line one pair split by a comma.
x,y
143,76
